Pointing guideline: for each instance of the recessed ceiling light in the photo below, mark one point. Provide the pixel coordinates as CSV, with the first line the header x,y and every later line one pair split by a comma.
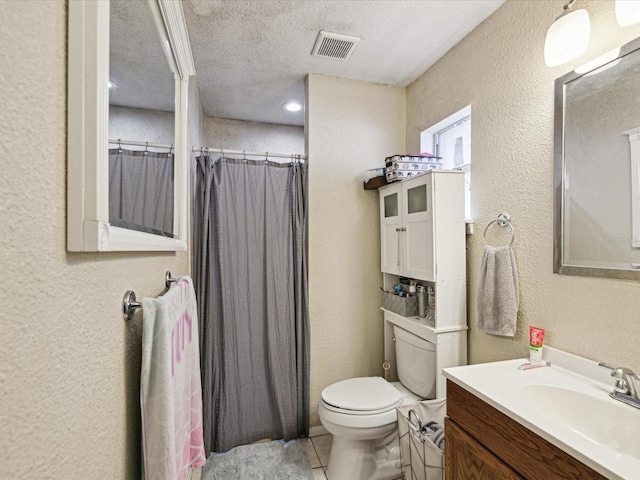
x,y
113,84
292,106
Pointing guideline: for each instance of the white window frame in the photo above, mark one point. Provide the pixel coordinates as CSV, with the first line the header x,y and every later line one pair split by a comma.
x,y
429,143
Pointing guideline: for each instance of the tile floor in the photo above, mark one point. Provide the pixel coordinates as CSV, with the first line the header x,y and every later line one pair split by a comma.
x,y
317,449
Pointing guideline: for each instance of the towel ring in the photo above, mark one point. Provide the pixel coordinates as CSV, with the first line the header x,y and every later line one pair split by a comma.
x,y
503,220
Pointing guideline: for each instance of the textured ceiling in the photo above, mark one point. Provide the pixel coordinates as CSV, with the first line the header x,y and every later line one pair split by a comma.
x,y
252,56
138,64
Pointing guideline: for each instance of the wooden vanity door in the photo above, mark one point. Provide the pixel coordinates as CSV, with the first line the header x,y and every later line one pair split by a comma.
x,y
466,458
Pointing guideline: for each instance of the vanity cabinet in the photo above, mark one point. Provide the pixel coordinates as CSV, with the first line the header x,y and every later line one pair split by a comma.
x,y
469,459
484,443
422,223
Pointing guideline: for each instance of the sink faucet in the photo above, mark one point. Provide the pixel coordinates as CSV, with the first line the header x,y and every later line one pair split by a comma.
x,y
625,388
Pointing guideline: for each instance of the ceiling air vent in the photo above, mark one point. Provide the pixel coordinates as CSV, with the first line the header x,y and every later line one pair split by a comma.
x,y
334,45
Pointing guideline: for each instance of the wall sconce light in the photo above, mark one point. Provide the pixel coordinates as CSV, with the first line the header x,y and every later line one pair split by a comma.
x,y
627,12
568,37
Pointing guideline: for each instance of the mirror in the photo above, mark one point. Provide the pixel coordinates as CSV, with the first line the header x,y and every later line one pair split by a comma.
x,y
596,215
151,63
141,121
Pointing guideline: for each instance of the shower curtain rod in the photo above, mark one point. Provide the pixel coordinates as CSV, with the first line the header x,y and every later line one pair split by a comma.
x,y
251,154
139,144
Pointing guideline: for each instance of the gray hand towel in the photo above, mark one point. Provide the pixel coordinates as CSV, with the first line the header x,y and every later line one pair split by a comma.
x,y
498,294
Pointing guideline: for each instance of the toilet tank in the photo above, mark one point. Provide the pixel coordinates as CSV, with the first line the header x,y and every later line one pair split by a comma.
x,y
416,363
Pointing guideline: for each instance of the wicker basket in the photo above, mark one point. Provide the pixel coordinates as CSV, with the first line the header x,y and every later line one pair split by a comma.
x,y
405,306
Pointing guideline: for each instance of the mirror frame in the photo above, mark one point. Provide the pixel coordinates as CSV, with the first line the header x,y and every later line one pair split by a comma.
x,y
559,187
88,228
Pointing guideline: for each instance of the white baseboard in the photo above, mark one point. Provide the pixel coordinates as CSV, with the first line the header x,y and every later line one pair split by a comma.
x,y
316,431
195,474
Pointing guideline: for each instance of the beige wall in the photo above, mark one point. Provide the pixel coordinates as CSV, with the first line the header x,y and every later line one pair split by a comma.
x,y
69,364
253,136
142,125
351,126
499,69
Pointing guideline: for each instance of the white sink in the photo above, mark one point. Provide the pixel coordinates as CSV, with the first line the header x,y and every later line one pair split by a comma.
x,y
613,425
567,404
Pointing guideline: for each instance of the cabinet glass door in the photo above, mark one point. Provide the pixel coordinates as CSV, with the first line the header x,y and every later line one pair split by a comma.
x,y
390,223
417,199
391,205
418,248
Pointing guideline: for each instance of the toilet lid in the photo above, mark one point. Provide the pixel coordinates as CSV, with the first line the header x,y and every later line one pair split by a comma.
x,y
362,394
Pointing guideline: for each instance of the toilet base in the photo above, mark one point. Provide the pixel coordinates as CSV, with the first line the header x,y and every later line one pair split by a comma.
x,y
363,460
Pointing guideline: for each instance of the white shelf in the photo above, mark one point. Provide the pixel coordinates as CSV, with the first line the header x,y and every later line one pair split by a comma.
x,y
419,326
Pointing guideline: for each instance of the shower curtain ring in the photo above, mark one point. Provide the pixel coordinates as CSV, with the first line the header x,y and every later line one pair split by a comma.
x,y
170,150
146,149
119,146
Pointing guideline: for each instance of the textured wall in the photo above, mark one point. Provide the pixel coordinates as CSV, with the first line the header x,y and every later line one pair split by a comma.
x,y
253,136
351,126
141,125
69,364
499,69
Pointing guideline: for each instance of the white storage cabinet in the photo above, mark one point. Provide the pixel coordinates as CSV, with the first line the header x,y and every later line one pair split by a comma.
x,y
422,230
407,229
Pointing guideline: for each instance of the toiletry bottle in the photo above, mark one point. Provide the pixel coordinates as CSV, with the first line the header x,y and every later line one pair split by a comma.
x,y
536,338
431,302
422,301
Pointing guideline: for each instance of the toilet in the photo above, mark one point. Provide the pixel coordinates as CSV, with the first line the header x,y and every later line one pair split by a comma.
x,y
360,412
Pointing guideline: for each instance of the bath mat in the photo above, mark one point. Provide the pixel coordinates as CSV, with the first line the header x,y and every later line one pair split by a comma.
x,y
277,460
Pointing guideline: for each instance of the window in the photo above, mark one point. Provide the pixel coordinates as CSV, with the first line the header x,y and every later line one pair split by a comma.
x,y
451,140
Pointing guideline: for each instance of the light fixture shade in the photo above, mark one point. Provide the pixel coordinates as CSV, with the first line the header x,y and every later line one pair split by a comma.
x,y
567,38
627,12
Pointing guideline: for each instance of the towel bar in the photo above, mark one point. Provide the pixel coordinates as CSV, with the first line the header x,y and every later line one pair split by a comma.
x,y
503,220
168,280
130,303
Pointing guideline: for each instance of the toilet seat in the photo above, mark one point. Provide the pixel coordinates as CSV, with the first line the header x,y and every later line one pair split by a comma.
x,y
361,396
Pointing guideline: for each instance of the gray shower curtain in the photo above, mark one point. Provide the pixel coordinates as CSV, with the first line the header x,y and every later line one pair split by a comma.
x,y
250,275
141,191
